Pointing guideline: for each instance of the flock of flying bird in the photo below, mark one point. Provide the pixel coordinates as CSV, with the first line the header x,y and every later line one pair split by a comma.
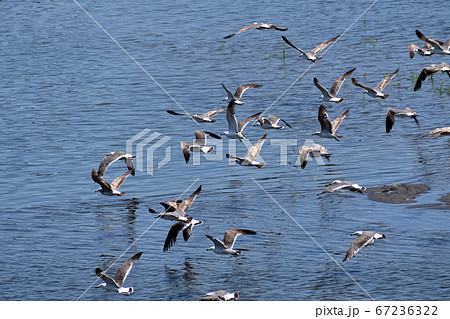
x,y
176,210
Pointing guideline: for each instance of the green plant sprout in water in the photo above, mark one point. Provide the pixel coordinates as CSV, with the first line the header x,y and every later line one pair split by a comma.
x,y
371,40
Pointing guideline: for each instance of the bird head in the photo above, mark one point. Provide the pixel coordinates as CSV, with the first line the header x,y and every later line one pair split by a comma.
x,y
357,233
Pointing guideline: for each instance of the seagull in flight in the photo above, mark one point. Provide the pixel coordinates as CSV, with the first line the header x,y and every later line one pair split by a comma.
x,y
184,226
235,129
116,283
200,118
250,158
428,70
365,238
376,91
427,50
317,150
328,128
438,46
107,188
258,26
338,184
270,122
220,295
311,56
116,156
441,131
198,145
392,113
236,97
225,247
175,210
331,96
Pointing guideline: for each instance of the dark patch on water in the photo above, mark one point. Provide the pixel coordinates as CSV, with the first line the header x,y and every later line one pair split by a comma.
x,y
396,194
444,204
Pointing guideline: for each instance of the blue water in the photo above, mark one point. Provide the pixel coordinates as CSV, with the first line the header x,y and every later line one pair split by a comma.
x,y
70,95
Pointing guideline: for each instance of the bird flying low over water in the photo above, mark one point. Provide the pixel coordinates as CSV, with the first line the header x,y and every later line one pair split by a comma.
x,y
441,131
236,97
376,91
235,129
117,282
311,56
116,156
220,295
425,51
250,158
338,184
226,246
328,128
392,113
184,226
365,238
175,210
258,26
331,96
316,150
198,145
270,122
428,70
200,118
439,47
107,188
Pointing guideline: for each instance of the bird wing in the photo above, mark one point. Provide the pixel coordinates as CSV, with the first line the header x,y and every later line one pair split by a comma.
x,y
99,180
304,152
278,28
325,122
244,87
124,270
117,182
173,233
254,150
185,146
322,46
214,112
338,83
390,119
380,86
216,242
321,88
367,88
337,121
413,48
244,122
188,201
230,95
437,131
294,46
176,113
106,278
358,243
200,137
187,231
230,236
108,160
243,29
231,117
433,42
426,71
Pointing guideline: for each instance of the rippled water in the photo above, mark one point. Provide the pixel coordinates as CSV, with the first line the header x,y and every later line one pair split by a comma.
x,y
70,95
